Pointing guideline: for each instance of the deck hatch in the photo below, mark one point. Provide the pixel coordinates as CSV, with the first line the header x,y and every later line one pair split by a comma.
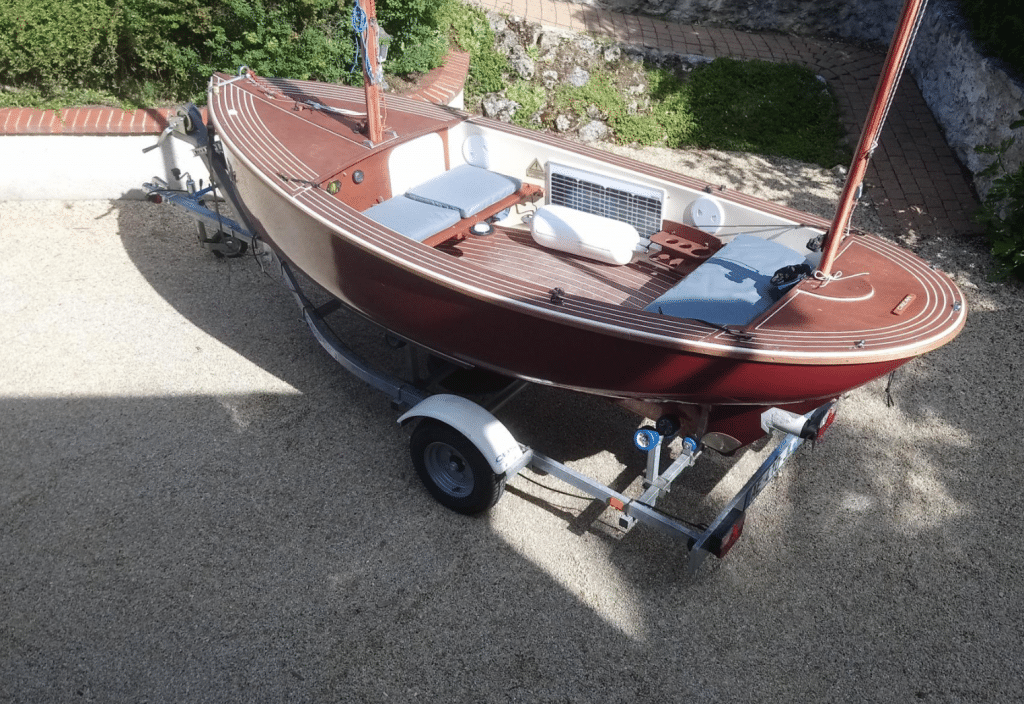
x,y
598,194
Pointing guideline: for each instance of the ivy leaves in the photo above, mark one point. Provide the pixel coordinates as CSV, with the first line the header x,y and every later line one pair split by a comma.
x,y
1002,212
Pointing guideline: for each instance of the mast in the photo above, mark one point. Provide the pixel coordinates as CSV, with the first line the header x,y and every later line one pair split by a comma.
x,y
372,75
895,61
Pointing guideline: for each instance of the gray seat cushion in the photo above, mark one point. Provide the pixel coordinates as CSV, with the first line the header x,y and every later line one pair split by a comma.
x,y
732,287
412,218
467,189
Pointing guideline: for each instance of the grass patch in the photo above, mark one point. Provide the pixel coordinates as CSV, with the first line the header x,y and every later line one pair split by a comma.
x,y
749,106
57,99
471,32
599,94
773,109
666,120
672,107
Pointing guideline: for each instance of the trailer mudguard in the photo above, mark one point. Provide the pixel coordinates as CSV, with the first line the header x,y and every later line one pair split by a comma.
x,y
480,427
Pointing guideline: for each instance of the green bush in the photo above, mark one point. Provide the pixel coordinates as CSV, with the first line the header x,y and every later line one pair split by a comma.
x,y
1002,213
161,45
144,51
420,33
998,26
308,39
472,33
57,45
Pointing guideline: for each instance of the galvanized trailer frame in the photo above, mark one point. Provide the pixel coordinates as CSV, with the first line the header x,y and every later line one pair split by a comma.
x,y
497,452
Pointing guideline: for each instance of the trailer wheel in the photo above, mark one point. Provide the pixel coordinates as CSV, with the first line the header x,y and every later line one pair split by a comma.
x,y
452,468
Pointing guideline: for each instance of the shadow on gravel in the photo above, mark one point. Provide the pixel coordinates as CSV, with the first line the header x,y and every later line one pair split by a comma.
x,y
210,549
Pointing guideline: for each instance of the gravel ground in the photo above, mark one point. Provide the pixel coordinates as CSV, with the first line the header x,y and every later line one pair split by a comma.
x,y
198,505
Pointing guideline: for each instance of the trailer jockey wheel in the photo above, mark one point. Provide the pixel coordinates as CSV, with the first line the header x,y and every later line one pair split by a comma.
x,y
452,468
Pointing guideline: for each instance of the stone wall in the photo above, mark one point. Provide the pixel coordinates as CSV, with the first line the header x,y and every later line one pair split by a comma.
x,y
973,98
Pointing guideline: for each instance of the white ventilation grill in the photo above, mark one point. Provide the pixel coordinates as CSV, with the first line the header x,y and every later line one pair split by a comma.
x,y
609,197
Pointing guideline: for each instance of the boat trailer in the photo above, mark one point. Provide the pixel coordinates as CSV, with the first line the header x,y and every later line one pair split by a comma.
x,y
463,454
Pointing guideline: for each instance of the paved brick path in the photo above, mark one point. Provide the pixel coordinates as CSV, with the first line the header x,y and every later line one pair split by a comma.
x,y
914,177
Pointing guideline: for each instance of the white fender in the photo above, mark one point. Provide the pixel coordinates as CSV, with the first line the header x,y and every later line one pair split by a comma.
x,y
486,432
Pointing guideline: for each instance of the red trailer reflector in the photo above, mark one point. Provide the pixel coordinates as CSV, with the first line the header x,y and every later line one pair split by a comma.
x,y
826,422
819,421
728,533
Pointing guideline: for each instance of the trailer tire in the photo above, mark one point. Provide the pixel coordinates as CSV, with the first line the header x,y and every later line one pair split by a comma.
x,y
452,468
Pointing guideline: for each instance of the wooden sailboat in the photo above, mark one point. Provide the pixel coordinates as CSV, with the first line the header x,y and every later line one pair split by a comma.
x,y
546,260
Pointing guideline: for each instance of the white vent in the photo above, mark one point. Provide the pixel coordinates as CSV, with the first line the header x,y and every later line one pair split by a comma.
x,y
609,197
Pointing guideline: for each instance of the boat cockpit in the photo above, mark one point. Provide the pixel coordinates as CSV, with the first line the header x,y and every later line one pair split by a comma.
x,y
563,208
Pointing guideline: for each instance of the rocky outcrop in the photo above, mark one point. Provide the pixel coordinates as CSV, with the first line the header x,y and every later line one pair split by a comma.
x,y
548,58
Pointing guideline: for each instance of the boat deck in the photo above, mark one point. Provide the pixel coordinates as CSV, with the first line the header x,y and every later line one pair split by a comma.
x,y
512,253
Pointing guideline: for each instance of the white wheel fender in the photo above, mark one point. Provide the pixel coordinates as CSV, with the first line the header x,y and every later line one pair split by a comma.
x,y
481,428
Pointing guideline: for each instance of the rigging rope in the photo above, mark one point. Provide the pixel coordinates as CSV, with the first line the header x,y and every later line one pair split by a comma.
x,y
899,74
360,24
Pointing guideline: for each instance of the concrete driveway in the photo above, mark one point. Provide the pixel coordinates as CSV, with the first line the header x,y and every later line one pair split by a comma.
x,y
199,505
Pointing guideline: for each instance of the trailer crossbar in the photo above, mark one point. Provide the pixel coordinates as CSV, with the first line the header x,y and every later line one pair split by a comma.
x,y
701,541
